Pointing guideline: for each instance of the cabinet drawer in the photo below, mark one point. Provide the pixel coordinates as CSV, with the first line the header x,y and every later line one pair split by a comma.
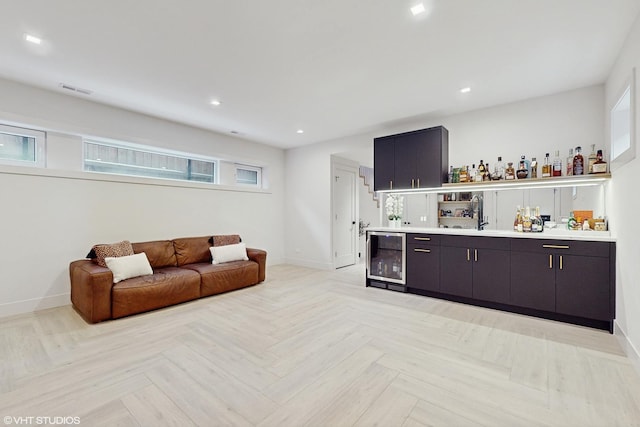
x,y
569,247
476,242
423,239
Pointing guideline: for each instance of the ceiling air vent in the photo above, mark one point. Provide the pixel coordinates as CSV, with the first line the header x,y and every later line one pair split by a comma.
x,y
76,89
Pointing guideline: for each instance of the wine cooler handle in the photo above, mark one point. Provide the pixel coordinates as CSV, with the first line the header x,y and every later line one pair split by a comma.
x,y
368,253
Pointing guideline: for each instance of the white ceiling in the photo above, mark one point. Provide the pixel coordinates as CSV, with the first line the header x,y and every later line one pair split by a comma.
x,y
330,67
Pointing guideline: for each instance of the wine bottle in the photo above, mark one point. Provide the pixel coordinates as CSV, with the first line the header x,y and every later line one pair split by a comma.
x,y
534,168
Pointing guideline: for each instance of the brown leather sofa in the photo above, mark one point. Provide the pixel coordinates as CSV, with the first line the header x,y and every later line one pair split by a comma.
x,y
182,271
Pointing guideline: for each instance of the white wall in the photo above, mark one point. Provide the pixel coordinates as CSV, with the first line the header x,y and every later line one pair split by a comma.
x,y
624,205
369,212
531,127
53,216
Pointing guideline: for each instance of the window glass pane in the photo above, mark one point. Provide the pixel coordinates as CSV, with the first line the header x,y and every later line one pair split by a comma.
x,y
101,157
247,176
17,147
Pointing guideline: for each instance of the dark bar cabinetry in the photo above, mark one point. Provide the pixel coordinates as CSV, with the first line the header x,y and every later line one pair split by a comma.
x,y
566,280
417,159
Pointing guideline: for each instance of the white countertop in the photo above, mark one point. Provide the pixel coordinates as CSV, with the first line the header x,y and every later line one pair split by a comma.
x,y
553,233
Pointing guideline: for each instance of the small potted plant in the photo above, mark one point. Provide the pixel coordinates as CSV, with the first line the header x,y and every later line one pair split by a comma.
x,y
394,207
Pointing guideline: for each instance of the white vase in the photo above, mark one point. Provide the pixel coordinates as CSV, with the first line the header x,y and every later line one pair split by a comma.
x,y
395,223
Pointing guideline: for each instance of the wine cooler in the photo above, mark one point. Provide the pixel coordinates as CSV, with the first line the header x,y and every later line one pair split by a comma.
x,y
386,260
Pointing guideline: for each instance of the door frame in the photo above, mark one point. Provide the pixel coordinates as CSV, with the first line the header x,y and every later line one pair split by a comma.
x,y
351,166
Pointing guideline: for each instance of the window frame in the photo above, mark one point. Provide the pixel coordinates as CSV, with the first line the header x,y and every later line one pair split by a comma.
x,y
40,138
252,168
147,149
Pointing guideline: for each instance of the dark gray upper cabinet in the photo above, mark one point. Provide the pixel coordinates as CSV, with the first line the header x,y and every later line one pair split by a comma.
x,y
417,159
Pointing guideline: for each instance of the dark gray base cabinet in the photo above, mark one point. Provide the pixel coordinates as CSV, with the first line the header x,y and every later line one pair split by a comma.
x,y
475,267
570,281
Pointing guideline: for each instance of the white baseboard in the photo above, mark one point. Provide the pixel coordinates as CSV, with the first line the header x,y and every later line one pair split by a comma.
x,y
627,346
309,264
35,304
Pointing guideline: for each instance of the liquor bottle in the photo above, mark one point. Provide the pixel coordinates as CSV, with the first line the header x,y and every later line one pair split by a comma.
x,y
517,220
450,174
510,172
570,162
522,171
464,175
472,173
578,162
546,167
520,221
592,158
534,168
600,166
487,173
482,170
526,221
537,224
499,171
557,165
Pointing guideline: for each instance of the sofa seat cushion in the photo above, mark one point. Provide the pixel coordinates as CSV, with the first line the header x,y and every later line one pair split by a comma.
x,y
167,286
190,250
218,278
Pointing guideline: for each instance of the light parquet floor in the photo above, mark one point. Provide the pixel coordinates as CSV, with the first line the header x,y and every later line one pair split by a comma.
x,y
315,348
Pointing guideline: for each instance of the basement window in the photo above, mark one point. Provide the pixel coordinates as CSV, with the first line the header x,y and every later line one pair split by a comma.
x,y
22,147
249,175
135,160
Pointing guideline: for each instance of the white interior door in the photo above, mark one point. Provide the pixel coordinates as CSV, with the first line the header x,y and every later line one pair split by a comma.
x,y
345,227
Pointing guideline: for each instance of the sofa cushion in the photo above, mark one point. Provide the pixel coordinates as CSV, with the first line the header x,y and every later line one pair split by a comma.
x,y
190,250
160,253
99,252
167,286
225,239
218,278
126,267
228,253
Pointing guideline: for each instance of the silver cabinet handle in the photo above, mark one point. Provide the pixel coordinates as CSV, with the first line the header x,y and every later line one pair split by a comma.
x,y
422,238
428,251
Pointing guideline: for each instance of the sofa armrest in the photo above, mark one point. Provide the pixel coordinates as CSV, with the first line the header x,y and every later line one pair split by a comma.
x,y
91,290
259,256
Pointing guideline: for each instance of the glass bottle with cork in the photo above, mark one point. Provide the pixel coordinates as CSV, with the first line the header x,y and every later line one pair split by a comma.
x,y
570,162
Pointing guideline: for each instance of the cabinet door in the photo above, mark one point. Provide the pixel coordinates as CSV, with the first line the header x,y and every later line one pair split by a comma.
x,y
491,275
407,147
423,267
455,271
431,159
533,280
583,287
383,163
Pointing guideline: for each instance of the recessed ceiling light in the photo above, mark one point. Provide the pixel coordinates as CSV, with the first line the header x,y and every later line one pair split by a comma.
x,y
32,39
465,90
215,102
417,9
299,131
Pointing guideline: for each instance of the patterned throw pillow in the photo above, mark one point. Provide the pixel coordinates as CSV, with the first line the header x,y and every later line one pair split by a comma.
x,y
113,250
226,239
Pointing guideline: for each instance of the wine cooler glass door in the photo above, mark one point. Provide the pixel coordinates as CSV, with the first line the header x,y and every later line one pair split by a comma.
x,y
386,257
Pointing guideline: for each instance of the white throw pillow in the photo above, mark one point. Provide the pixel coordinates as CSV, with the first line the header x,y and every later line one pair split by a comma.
x,y
228,253
126,267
